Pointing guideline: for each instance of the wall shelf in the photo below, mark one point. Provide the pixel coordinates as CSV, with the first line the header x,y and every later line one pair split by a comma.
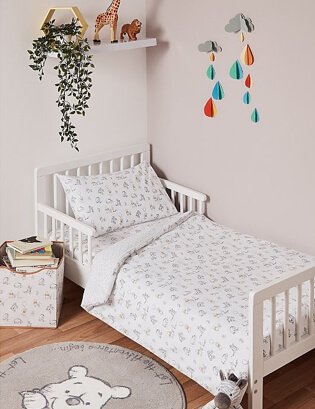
x,y
128,45
121,46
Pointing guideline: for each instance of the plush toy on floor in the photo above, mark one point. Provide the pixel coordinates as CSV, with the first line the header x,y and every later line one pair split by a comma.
x,y
230,393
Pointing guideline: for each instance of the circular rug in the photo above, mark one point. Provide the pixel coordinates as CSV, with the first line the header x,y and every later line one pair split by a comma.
x,y
86,375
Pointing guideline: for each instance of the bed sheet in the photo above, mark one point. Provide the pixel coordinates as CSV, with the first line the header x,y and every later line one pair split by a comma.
x,y
185,296
102,242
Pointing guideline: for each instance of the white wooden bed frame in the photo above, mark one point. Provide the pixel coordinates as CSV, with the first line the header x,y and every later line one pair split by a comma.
x,y
53,214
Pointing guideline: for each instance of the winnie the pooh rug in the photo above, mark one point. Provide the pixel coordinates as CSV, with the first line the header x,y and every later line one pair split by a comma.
x,y
75,375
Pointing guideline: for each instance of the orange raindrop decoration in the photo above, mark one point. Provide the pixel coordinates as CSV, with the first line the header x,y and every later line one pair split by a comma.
x,y
212,57
242,37
249,81
247,55
210,109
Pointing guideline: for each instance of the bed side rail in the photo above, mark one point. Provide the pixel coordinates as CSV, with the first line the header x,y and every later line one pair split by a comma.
x,y
60,223
258,366
185,198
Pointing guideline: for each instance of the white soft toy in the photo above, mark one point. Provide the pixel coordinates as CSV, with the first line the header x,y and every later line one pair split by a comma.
x,y
79,391
230,393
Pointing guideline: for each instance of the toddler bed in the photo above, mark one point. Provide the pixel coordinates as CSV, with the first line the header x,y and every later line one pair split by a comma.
x,y
199,295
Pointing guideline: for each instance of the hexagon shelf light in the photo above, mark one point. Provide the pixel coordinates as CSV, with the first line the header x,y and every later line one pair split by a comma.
x,y
75,11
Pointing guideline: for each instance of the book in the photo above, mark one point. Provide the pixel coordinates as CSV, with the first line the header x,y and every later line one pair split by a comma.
x,y
41,254
28,263
30,270
29,244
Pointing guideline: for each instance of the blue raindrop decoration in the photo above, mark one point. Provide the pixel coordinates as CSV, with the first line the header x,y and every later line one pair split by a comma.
x,y
218,92
247,98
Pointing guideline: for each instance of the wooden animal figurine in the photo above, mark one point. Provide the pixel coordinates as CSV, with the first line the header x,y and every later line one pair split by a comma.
x,y
110,17
230,393
131,30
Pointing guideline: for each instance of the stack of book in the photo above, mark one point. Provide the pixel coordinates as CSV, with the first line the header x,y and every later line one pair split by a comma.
x,y
29,255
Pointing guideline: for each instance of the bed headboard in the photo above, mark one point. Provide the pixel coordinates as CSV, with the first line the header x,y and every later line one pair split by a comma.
x,y
48,190
50,197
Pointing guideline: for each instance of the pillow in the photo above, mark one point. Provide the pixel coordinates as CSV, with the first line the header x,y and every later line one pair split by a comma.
x,y
112,201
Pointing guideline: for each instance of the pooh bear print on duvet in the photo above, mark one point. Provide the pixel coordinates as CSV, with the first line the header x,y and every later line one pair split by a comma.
x,y
78,391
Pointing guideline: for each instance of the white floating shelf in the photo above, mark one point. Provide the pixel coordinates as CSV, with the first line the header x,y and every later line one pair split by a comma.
x,y
121,46
128,45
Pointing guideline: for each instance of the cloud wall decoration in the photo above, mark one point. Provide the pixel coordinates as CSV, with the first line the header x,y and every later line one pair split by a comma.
x,y
209,47
240,23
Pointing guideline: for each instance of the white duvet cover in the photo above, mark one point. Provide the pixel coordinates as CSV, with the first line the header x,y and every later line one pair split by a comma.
x,y
180,287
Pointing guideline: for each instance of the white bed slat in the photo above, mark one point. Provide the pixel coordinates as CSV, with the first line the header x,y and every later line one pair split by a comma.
x,y
273,325
122,163
182,203
55,205
311,308
286,320
111,166
78,171
201,207
173,196
132,161
299,312
191,204
100,168
45,226
55,192
80,247
71,241
62,227
89,249
67,201
90,170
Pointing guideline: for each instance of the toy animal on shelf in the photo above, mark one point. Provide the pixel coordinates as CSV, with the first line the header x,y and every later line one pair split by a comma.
x,y
110,17
230,393
131,30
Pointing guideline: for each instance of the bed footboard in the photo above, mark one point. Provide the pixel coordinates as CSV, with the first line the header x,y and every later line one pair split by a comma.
x,y
260,367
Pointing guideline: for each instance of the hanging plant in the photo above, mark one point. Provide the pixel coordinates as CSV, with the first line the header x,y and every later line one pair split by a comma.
x,y
73,69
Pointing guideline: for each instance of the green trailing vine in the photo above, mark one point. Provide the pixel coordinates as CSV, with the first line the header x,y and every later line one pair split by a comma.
x,y
73,69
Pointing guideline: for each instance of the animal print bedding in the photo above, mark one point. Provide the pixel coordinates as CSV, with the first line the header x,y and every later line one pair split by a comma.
x,y
181,290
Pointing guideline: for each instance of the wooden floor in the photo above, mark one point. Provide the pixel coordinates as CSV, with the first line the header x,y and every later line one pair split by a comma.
x,y
291,387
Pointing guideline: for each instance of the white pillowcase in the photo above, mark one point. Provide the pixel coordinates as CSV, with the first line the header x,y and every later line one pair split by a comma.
x,y
112,201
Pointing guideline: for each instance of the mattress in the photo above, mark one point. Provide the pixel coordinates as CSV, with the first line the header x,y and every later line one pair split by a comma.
x,y
184,296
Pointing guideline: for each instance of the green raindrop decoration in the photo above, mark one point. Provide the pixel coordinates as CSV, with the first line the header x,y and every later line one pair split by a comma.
x,y
255,116
236,71
211,72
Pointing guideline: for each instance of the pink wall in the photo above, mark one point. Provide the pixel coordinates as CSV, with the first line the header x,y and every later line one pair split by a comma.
x,y
260,177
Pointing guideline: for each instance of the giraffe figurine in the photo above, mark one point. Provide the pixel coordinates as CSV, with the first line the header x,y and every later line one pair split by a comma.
x,y
109,17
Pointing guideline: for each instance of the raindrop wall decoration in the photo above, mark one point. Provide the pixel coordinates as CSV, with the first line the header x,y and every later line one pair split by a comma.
x,y
255,117
211,72
210,109
241,25
236,71
212,48
218,92
248,81
212,57
247,55
247,98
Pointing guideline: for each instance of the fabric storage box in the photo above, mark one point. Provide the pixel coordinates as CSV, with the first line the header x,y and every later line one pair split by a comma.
x,y
32,299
